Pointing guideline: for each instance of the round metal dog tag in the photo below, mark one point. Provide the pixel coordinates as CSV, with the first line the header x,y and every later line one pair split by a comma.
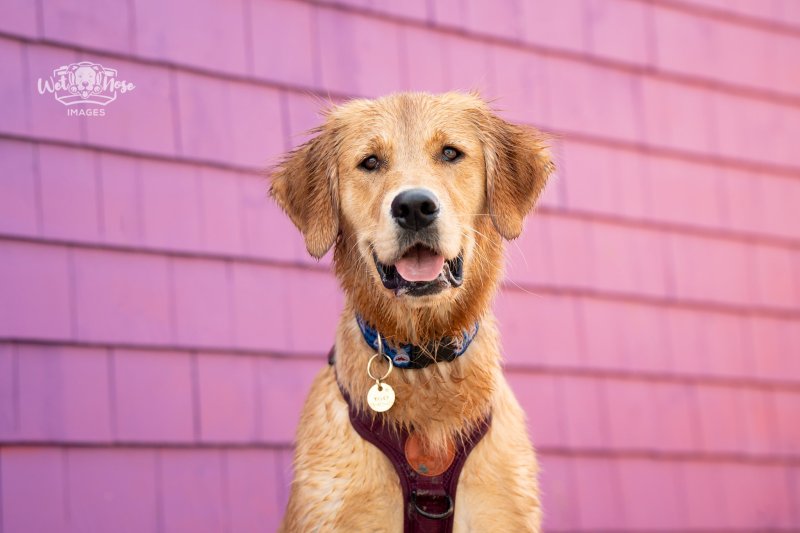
x,y
380,397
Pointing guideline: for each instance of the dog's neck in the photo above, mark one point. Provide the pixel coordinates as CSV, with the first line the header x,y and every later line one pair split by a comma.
x,y
441,401
418,326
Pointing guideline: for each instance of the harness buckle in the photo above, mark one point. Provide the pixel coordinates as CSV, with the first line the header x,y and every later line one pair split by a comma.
x,y
427,514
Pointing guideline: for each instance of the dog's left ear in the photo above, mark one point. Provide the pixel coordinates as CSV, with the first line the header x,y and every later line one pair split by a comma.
x,y
305,186
517,166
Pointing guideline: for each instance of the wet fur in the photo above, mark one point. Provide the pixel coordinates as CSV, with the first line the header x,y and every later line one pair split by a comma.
x,y
343,483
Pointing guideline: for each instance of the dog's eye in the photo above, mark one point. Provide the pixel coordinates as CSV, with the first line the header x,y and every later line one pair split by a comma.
x,y
450,154
370,163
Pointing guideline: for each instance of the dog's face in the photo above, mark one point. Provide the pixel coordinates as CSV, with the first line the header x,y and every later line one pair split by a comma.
x,y
85,77
419,189
411,183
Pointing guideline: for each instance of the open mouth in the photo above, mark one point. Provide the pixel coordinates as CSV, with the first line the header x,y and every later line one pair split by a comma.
x,y
421,271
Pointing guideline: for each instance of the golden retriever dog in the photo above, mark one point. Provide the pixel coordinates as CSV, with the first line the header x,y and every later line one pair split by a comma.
x,y
416,193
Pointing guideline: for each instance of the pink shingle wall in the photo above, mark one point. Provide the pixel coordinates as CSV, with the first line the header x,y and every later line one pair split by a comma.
x,y
160,322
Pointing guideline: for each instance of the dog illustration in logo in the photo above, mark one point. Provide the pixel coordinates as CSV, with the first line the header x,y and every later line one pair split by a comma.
x,y
85,79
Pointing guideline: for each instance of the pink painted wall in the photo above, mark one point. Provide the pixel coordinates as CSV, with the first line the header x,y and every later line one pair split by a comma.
x,y
160,322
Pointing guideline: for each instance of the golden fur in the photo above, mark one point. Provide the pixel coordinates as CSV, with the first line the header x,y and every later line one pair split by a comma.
x,y
343,483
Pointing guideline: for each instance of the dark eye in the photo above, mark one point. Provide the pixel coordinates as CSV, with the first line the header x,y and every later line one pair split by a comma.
x,y
370,163
450,154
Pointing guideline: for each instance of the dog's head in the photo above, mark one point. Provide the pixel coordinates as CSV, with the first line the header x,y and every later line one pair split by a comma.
x,y
85,76
417,192
85,79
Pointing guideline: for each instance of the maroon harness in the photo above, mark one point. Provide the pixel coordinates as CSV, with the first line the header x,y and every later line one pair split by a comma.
x,y
428,500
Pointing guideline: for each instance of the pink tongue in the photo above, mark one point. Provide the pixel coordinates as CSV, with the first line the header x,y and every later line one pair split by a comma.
x,y
420,264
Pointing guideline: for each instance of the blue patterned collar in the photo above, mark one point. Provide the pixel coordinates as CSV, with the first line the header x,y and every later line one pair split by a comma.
x,y
412,356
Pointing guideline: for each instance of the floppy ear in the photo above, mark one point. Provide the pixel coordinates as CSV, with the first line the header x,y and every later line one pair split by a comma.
x,y
305,185
517,166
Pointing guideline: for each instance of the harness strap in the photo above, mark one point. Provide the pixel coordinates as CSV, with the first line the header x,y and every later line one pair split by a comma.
x,y
429,500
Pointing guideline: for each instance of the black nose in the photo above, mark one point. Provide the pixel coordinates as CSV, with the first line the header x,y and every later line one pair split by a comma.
x,y
415,209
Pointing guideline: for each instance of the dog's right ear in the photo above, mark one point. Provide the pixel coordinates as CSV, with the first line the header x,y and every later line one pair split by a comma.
x,y
305,186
